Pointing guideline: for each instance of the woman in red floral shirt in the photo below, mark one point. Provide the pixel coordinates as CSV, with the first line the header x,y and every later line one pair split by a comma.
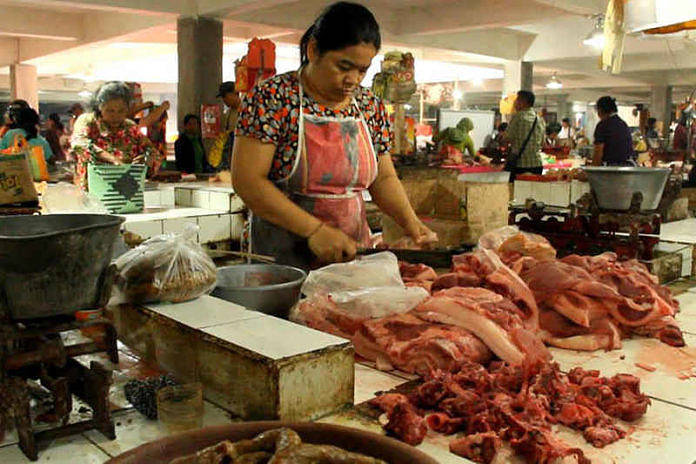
x,y
106,136
310,143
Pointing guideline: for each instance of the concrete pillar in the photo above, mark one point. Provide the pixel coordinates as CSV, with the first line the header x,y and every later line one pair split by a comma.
x,y
519,75
24,84
661,107
199,51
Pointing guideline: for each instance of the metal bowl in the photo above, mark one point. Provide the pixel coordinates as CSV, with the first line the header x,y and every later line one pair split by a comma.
x,y
55,264
268,288
614,186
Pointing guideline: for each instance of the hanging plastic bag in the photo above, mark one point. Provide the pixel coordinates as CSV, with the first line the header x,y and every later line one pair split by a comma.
x,y
63,197
169,267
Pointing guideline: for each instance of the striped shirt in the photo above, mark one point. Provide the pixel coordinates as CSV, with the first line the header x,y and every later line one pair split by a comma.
x,y
517,132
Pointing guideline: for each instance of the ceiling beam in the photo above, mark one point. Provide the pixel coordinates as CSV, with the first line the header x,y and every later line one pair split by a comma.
x,y
470,15
147,7
36,23
235,8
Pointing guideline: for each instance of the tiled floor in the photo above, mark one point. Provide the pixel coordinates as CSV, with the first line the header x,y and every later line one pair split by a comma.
x,y
667,433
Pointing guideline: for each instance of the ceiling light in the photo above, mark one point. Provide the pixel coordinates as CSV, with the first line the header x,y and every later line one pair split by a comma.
x,y
554,83
84,93
457,94
477,82
596,37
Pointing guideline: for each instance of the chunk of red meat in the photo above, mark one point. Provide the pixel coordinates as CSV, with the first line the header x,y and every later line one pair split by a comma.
x,y
479,447
404,420
443,423
416,272
456,279
600,437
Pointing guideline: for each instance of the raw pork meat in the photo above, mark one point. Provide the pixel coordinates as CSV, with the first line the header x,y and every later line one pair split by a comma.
x,y
517,404
494,319
413,345
417,275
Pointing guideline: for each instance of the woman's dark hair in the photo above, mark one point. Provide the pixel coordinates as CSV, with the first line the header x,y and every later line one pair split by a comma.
x,y
341,25
25,118
111,91
607,105
652,122
527,96
56,120
189,117
502,127
566,120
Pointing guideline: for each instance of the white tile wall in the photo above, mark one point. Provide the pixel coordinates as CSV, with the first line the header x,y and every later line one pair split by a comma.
x,y
177,225
201,199
237,226
182,197
146,229
219,200
214,228
168,197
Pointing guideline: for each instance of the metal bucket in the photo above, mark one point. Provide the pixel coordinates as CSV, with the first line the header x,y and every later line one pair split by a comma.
x,y
55,264
614,186
268,288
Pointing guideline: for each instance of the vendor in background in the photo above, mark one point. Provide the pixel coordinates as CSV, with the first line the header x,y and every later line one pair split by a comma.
x,y
566,134
106,135
7,121
526,135
188,148
310,143
458,137
681,133
53,134
25,124
75,111
220,156
552,136
613,145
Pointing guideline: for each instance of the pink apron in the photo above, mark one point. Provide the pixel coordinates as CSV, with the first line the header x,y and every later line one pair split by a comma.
x,y
335,162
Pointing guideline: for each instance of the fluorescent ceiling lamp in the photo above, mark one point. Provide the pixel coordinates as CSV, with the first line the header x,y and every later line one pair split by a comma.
x,y
59,38
457,94
554,83
596,37
84,93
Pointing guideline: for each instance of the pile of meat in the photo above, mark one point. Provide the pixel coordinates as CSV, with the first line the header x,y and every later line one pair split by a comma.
x,y
516,404
590,302
481,296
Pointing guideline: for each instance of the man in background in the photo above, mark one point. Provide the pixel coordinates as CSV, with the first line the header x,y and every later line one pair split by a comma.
x,y
566,136
188,148
526,135
220,155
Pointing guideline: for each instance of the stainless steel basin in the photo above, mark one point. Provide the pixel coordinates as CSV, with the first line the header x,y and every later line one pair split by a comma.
x,y
268,288
614,186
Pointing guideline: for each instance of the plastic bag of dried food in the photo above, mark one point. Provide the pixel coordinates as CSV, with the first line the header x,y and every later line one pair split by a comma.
x,y
169,267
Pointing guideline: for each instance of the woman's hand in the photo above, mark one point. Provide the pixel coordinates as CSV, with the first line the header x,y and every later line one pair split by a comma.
x,y
108,158
332,245
420,234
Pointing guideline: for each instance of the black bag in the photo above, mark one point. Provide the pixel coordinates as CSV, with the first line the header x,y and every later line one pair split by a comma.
x,y
511,161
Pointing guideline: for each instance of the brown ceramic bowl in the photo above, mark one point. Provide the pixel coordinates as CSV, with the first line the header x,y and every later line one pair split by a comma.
x,y
164,450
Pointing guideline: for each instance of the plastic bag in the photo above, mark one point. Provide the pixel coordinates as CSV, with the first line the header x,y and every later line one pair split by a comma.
x,y
169,267
510,243
367,288
378,270
69,198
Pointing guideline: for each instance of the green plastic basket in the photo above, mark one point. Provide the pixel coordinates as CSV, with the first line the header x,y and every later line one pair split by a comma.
x,y
118,187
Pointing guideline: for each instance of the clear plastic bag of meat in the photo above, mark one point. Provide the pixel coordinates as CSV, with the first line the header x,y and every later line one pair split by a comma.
x,y
511,243
166,268
366,288
378,270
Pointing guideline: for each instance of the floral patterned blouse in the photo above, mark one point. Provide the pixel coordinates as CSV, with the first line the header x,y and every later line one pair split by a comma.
x,y
269,113
91,136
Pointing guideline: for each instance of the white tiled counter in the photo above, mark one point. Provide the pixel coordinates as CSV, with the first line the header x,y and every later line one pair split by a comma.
x,y
251,364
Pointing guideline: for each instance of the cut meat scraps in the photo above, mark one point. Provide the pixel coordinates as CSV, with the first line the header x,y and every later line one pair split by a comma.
x,y
494,319
404,420
517,404
416,346
416,272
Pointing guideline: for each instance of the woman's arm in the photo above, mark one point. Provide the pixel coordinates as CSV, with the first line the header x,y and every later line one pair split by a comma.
x,y
154,115
388,193
251,163
469,145
598,154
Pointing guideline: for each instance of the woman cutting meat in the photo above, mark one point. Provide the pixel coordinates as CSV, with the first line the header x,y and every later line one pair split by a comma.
x,y
309,143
